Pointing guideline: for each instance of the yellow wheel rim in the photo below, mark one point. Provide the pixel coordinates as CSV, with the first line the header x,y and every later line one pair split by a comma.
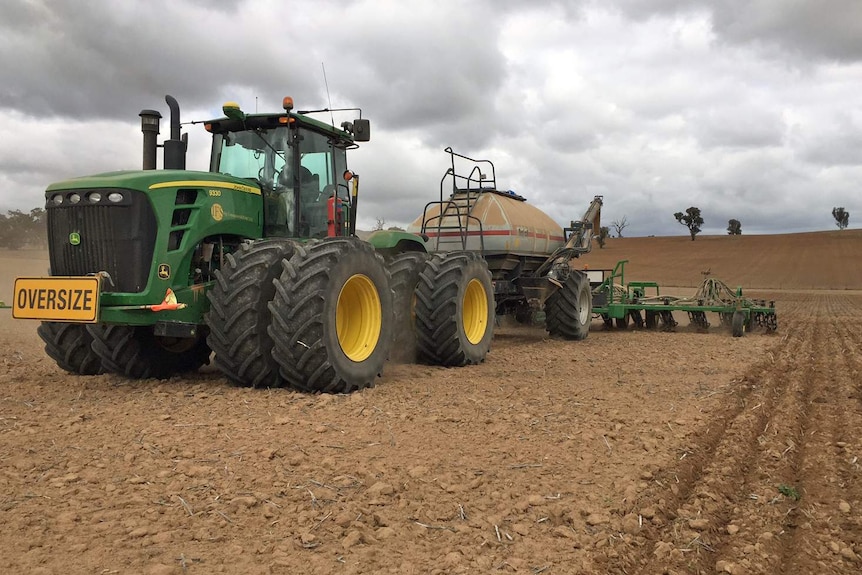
x,y
358,318
475,312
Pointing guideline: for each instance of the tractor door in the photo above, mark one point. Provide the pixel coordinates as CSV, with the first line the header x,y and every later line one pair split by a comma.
x,y
323,194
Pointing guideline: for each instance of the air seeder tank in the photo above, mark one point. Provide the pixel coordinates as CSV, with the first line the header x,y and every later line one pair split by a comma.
x,y
528,253
512,234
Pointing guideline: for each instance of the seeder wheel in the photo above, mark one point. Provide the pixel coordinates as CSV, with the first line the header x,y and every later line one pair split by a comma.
x,y
737,327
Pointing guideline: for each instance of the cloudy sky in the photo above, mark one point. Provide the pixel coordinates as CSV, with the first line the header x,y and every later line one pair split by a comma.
x,y
747,109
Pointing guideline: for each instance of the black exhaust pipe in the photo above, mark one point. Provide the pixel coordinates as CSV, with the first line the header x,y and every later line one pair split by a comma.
x,y
150,128
175,147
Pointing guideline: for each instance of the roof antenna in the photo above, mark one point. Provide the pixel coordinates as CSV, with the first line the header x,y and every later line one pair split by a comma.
x,y
328,97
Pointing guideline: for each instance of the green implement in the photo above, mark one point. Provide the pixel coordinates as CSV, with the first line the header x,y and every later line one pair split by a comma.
x,y
642,303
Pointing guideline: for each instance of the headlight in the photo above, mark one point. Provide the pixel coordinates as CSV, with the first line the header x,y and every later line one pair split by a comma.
x,y
115,197
74,198
57,199
94,197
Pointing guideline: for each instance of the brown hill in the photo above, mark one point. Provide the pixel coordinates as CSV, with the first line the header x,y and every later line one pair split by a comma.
x,y
813,260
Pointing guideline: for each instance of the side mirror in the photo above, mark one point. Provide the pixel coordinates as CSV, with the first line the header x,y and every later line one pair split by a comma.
x,y
362,130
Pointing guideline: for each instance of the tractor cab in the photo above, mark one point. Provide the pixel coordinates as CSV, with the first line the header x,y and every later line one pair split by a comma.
x,y
299,164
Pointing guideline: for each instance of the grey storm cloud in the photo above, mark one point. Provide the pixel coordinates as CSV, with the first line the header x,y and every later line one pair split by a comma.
x,y
827,29
746,108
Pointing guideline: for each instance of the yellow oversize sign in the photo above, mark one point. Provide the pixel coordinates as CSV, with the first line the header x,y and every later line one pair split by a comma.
x,y
57,299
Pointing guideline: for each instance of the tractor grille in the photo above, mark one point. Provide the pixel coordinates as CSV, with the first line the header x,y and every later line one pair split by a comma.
x,y
117,238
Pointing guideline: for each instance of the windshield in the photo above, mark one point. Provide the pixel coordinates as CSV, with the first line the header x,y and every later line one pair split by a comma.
x,y
298,171
258,155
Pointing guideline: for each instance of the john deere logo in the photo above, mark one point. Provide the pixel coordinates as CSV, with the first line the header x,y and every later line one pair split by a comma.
x,y
164,271
74,238
217,212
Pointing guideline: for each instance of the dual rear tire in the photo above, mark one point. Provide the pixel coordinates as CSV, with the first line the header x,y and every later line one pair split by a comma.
x,y
332,316
239,315
454,310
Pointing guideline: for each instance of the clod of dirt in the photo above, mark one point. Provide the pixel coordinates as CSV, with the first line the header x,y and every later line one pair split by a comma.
x,y
698,524
631,524
535,500
246,502
308,539
418,471
728,567
844,506
381,488
848,553
597,519
352,539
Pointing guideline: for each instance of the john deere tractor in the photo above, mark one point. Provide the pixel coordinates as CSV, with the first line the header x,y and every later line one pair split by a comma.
x,y
255,260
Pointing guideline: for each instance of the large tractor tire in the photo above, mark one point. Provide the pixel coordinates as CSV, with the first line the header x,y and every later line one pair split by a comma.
x,y
454,309
332,316
239,315
569,310
69,345
135,352
404,270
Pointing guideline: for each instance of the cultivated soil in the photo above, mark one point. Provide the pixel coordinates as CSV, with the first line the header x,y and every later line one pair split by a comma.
x,y
630,452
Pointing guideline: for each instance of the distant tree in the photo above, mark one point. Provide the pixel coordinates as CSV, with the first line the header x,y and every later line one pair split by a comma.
x,y
381,223
604,232
619,225
690,219
395,229
734,228
842,217
20,229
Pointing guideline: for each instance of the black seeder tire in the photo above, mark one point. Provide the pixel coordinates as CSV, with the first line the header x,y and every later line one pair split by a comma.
x,y
569,310
404,270
332,316
737,324
455,309
69,345
239,315
135,352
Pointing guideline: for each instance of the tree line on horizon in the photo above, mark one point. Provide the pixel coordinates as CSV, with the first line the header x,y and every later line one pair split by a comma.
x,y
693,220
24,229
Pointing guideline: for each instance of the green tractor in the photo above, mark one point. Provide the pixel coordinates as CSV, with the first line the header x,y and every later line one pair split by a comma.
x,y
255,261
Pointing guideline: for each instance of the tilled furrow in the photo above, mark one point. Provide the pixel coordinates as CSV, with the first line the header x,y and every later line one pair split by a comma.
x,y
827,529
700,496
756,537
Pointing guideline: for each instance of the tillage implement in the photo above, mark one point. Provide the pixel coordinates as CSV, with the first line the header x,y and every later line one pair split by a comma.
x,y
641,303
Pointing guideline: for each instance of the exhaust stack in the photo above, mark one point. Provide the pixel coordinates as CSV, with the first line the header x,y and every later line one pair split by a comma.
x,y
150,128
175,147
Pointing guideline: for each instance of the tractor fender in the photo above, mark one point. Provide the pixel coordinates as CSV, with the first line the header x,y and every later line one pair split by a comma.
x,y
393,242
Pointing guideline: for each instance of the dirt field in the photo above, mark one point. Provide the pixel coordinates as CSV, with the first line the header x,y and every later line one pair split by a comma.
x,y
630,452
